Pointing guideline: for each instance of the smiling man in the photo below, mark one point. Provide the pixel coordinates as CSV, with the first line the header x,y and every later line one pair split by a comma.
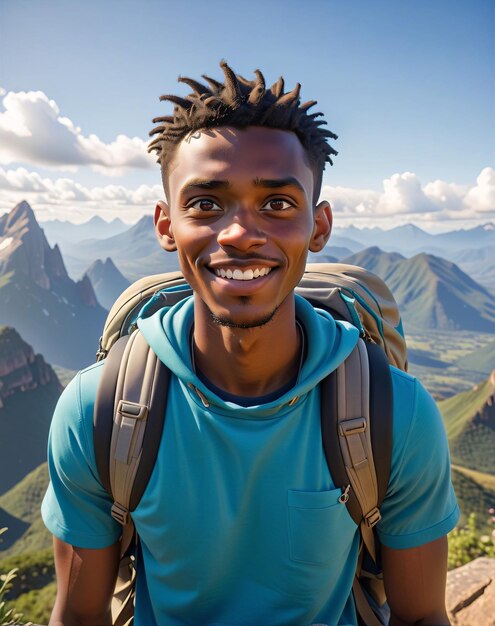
x,y
241,522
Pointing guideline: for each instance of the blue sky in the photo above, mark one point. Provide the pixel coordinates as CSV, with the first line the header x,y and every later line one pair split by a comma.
x,y
409,86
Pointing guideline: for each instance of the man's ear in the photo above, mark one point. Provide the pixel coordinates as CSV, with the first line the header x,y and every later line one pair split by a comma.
x,y
322,226
163,227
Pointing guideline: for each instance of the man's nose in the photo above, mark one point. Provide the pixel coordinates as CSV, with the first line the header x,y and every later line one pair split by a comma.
x,y
242,232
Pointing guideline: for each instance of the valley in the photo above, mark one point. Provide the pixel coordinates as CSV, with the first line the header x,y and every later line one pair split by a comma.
x,y
447,362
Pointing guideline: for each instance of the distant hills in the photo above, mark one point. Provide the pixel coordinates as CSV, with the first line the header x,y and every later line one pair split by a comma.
x,y
59,317
58,231
107,282
471,249
29,390
432,293
482,360
135,252
409,239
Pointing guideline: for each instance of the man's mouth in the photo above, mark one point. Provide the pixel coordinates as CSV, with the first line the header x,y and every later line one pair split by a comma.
x,y
237,274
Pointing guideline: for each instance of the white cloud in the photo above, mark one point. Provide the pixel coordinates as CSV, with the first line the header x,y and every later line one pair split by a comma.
x,y
67,199
350,201
481,198
33,131
404,198
402,194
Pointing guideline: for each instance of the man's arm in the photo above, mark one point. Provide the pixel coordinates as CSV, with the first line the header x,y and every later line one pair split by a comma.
x,y
415,580
85,584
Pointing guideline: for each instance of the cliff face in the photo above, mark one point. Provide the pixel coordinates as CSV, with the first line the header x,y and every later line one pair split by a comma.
x,y
24,248
29,390
59,317
21,369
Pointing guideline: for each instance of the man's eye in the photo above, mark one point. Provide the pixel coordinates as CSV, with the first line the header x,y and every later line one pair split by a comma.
x,y
277,204
203,204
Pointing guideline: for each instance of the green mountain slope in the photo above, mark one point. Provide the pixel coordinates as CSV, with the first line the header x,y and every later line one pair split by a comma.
x,y
474,494
470,424
432,293
20,512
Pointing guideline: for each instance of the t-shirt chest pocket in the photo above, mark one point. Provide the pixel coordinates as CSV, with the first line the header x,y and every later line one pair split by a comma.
x,y
320,528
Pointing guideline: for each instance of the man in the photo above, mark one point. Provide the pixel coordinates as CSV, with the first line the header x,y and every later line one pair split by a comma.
x,y
241,522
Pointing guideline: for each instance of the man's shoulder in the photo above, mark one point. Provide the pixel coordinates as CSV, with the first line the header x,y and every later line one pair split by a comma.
x,y
81,391
409,392
416,414
403,383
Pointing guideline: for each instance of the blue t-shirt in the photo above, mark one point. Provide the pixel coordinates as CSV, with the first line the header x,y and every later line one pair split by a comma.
x,y
240,523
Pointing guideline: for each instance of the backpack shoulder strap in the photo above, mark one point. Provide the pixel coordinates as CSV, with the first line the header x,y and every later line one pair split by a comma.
x,y
357,422
128,420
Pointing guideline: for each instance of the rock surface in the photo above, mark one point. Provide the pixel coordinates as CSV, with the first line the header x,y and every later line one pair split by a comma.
x,y
471,594
59,317
20,368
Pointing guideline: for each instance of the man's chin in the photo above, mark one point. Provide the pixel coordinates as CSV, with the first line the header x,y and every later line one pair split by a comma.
x,y
229,321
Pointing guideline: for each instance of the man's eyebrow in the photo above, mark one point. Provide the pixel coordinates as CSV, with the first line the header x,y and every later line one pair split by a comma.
x,y
276,183
202,183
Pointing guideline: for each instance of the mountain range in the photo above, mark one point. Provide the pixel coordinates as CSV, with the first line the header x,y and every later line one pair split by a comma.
x,y
95,228
432,293
135,252
409,239
59,317
471,249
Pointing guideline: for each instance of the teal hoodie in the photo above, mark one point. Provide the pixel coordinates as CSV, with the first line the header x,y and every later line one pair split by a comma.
x,y
241,523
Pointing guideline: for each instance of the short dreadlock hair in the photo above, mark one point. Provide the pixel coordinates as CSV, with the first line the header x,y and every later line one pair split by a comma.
x,y
241,103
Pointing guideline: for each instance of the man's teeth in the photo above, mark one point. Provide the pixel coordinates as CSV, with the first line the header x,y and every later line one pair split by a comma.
x,y
238,274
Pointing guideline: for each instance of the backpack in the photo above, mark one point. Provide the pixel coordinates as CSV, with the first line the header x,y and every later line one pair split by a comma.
x,y
356,412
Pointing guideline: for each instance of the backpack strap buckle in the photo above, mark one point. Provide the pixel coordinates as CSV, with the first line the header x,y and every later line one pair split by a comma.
x,y
130,414
132,410
120,513
350,427
373,517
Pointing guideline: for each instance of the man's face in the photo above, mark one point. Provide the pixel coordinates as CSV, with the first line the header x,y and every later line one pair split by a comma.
x,y
240,215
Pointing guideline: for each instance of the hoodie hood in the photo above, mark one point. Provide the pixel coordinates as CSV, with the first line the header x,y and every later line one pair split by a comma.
x,y
329,342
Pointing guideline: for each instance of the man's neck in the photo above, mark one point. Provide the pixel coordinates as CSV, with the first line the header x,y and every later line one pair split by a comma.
x,y
248,361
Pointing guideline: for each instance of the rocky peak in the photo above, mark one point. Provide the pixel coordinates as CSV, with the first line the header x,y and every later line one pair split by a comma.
x,y
86,292
107,281
24,248
20,216
20,368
